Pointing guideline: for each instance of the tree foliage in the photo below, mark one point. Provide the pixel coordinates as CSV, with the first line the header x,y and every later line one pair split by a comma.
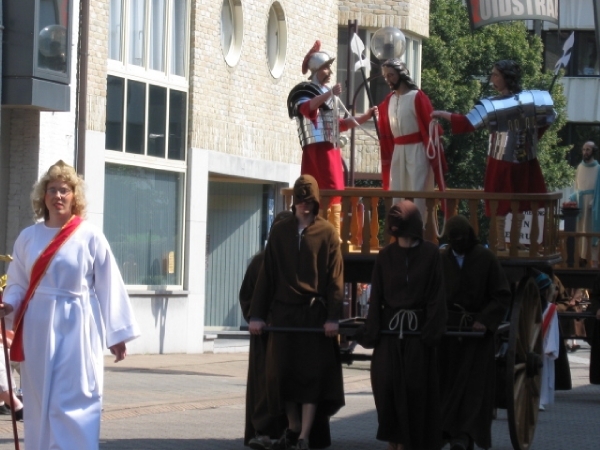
x,y
455,71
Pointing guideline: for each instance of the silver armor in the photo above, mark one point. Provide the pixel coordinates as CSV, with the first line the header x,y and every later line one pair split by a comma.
x,y
513,122
326,128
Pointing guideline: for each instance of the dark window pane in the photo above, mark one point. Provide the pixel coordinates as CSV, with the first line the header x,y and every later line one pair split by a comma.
x,y
177,125
586,63
136,103
157,121
144,227
114,113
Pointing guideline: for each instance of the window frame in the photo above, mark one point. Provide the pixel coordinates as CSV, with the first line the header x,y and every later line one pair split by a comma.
x,y
125,69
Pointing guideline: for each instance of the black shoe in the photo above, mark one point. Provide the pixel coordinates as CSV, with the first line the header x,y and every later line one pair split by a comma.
x,y
302,445
260,442
5,410
288,440
19,414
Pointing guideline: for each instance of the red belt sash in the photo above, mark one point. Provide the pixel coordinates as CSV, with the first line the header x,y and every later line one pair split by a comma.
x,y
37,273
413,138
548,318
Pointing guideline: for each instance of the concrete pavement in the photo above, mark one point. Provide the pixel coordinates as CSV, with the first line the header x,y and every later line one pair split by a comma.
x,y
181,402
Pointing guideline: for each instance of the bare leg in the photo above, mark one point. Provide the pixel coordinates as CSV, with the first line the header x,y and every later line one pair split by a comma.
x,y
4,396
293,415
308,417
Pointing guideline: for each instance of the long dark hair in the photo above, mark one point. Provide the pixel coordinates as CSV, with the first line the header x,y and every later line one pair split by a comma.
x,y
511,72
403,73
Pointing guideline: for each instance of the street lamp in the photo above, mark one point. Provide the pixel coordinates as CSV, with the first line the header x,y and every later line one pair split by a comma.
x,y
387,43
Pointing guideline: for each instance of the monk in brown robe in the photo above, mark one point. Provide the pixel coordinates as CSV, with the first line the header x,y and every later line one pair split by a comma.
x,y
477,295
260,426
301,285
407,293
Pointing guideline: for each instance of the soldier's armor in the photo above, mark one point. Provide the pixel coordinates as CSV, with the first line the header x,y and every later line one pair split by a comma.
x,y
327,127
513,122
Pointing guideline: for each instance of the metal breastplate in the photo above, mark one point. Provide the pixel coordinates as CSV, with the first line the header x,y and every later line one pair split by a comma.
x,y
326,128
513,122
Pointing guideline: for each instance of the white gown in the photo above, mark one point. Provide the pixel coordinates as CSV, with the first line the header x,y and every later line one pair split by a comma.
x,y
410,170
80,305
551,347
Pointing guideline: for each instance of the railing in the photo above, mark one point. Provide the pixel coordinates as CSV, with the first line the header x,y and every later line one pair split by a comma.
x,y
362,235
576,237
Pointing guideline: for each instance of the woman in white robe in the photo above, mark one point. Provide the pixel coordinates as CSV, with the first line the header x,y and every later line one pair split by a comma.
x,y
80,304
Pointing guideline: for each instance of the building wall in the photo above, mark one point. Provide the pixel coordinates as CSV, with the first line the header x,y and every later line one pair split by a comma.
x,y
407,15
238,126
245,103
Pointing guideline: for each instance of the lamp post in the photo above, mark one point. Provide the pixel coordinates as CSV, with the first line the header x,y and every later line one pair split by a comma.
x,y
386,43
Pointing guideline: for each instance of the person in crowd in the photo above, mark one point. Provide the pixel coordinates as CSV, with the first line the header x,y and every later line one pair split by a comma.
x,y
404,117
407,294
550,336
594,342
587,198
313,104
300,285
477,295
512,164
260,426
65,298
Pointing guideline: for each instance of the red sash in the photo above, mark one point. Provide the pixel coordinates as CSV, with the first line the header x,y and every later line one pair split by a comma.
x,y
37,273
548,318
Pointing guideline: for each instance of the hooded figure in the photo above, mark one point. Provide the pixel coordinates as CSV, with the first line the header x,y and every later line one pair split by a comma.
x,y
460,234
477,296
406,295
301,286
306,189
404,220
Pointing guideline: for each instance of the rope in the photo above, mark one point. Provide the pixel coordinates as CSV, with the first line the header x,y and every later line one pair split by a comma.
x,y
432,152
340,104
466,319
398,321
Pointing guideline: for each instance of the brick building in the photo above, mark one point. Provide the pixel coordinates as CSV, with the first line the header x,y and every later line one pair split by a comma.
x,y
188,142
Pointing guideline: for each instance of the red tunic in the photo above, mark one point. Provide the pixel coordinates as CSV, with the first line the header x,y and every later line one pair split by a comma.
x,y
506,176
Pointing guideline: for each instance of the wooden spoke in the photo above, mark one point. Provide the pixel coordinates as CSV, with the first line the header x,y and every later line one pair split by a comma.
x,y
524,360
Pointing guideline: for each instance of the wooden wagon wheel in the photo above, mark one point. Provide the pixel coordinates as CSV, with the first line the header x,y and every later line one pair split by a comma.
x,y
524,363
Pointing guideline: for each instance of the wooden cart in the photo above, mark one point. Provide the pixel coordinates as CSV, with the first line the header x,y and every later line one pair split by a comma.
x,y
520,338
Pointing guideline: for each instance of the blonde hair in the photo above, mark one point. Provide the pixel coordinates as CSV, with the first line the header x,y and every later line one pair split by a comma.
x,y
63,172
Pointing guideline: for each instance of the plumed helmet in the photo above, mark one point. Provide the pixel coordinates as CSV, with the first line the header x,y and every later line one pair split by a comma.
x,y
315,59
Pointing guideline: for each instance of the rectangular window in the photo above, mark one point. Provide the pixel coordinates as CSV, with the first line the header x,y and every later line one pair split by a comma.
x,y
143,210
137,31
177,124
115,30
115,91
178,36
157,120
136,117
157,35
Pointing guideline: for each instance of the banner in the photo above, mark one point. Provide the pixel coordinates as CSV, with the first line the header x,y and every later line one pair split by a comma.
x,y
485,12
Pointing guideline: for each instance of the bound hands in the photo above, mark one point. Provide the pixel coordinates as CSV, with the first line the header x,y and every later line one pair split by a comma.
x,y
441,115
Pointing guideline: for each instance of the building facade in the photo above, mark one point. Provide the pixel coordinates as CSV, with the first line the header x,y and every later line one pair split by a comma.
x,y
187,143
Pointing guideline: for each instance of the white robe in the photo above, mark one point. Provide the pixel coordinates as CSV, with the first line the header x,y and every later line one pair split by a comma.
x,y
80,305
410,169
551,348
585,180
